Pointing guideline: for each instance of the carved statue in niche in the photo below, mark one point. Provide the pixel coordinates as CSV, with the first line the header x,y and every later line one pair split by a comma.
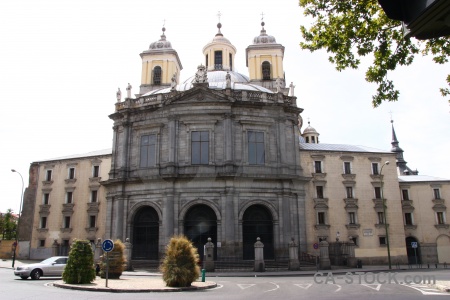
x,y
173,84
228,80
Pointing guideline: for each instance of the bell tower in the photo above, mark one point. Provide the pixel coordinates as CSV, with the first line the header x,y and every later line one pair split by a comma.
x,y
219,53
264,59
159,63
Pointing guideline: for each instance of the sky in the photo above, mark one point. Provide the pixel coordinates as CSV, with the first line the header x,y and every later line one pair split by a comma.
x,y
61,63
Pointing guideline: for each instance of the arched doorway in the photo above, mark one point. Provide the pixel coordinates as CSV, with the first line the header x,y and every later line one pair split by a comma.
x,y
413,253
257,222
200,223
146,234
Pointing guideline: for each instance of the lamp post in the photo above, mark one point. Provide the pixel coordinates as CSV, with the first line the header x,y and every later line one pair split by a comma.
x,y
386,226
18,220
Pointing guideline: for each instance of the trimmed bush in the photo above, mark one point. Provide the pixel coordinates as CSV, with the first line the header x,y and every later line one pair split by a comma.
x,y
180,265
80,265
116,261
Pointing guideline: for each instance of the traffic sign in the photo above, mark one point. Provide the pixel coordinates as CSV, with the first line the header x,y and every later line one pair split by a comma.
x,y
316,246
108,245
413,244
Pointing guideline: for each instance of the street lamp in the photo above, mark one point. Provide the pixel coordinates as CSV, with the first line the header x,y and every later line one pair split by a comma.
x,y
18,220
386,226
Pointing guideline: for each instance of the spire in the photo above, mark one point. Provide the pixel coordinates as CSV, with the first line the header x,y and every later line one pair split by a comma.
x,y
401,163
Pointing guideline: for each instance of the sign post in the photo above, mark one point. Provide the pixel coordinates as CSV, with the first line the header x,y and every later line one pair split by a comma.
x,y
414,246
316,247
107,246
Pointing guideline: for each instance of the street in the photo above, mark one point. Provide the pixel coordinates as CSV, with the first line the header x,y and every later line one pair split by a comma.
x,y
326,286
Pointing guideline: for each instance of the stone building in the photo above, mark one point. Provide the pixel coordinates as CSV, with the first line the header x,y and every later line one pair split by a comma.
x,y
215,156
68,203
223,156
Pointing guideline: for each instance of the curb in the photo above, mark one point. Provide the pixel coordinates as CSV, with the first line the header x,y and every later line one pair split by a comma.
x,y
115,290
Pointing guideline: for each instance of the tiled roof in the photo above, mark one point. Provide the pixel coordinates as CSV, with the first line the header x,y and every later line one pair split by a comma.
x,y
339,148
89,154
419,178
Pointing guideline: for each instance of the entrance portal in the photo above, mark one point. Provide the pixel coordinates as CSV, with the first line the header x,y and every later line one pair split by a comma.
x,y
146,234
257,222
200,223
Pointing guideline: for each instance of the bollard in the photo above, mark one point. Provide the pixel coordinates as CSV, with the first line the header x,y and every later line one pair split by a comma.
x,y
203,275
435,265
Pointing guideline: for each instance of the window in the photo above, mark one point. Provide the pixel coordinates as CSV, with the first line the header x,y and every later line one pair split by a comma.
x,y
440,217
382,240
375,169
71,173
69,197
66,222
266,70
347,168
95,171
256,152
354,239
351,218
41,243
307,139
48,176
437,193
377,192
148,151
157,75
321,218
46,198
408,219
92,221
94,196
405,195
313,140
200,147
380,217
218,60
317,166
349,191
319,191
43,223
206,64
231,62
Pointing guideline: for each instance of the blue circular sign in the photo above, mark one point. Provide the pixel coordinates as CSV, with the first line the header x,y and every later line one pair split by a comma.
x,y
316,246
107,245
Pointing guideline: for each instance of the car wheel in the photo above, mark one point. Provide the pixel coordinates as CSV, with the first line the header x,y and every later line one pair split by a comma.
x,y
36,274
24,277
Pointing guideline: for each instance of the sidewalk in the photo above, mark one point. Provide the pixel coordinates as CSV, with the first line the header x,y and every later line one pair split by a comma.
x,y
145,281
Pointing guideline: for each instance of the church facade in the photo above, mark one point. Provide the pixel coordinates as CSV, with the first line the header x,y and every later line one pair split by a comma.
x,y
213,157
223,156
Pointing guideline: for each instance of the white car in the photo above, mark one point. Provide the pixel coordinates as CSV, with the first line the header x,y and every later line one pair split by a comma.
x,y
53,266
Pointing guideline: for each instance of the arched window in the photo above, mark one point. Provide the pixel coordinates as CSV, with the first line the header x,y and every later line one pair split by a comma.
x,y
157,75
266,70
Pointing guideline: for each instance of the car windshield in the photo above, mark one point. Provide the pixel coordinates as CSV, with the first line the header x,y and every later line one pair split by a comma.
x,y
48,260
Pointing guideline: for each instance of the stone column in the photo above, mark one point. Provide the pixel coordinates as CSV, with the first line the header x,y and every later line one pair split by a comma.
x,y
127,253
98,250
172,139
351,259
294,264
118,211
168,216
209,256
228,138
55,247
259,256
324,256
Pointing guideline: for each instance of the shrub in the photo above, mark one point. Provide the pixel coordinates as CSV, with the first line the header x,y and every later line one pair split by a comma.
x,y
80,265
116,261
180,265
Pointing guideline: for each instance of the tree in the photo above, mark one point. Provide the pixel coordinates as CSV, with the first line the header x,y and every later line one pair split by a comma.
x,y
8,225
352,29
80,265
180,265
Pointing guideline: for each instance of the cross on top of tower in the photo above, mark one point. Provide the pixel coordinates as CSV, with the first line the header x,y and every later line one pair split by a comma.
x,y
219,14
262,16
